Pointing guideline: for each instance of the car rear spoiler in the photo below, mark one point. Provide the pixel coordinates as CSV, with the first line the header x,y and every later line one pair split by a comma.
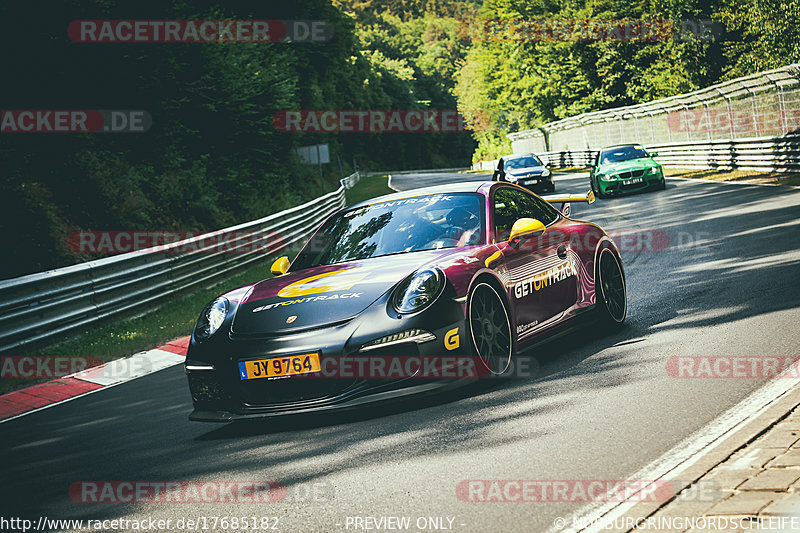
x,y
556,199
565,200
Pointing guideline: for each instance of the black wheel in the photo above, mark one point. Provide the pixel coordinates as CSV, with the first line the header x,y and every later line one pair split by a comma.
x,y
490,328
596,189
663,184
612,298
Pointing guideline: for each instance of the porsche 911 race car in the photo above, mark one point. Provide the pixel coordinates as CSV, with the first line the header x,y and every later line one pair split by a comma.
x,y
625,168
404,294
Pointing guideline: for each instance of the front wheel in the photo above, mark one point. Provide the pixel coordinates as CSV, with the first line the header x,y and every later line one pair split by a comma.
x,y
490,328
610,291
600,193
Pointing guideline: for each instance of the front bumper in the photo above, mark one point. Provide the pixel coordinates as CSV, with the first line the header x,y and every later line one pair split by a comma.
x,y
626,185
220,395
537,183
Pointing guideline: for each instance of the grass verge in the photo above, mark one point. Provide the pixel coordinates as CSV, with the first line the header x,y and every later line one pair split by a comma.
x,y
368,187
124,337
570,169
743,176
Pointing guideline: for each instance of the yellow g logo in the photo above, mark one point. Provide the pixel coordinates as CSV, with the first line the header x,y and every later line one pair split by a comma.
x,y
322,283
451,339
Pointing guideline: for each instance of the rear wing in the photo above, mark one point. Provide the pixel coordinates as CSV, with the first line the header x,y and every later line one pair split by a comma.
x,y
565,200
557,199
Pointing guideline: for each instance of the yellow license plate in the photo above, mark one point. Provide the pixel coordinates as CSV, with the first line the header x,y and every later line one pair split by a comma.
x,y
279,366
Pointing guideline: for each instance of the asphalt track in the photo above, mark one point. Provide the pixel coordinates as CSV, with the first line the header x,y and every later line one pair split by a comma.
x,y
600,407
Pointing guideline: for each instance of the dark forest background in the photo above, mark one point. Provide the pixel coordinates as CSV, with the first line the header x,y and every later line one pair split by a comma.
x,y
213,158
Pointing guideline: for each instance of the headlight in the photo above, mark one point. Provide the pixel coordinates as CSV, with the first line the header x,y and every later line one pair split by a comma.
x,y
418,290
546,173
600,176
654,170
211,318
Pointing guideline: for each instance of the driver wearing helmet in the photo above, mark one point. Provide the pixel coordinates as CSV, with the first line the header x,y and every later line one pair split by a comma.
x,y
463,225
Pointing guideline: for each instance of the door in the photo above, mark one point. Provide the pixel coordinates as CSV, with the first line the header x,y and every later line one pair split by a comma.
x,y
543,279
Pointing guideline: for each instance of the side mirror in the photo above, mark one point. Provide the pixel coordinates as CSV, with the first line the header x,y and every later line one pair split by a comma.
x,y
654,154
548,165
280,266
525,227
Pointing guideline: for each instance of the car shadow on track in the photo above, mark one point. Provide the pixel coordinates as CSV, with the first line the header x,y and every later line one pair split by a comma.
x,y
553,357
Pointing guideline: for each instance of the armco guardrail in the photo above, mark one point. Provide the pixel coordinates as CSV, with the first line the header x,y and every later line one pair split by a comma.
x,y
762,105
350,180
582,158
765,153
780,154
485,165
404,172
57,302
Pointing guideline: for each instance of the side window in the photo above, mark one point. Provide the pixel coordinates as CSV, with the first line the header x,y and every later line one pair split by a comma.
x,y
510,205
544,212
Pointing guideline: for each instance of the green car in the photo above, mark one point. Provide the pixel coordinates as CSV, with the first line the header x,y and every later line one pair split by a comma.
x,y
625,168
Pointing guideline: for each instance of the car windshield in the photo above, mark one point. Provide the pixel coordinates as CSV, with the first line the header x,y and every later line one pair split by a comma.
x,y
523,162
396,226
623,153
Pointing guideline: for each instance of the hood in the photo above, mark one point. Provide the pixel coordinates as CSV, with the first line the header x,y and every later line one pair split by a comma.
x,y
526,170
323,295
631,164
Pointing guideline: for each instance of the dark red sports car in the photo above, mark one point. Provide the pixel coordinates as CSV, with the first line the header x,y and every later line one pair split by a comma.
x,y
396,295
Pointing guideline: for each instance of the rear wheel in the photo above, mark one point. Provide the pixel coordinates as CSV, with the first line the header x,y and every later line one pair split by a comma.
x,y
490,328
612,298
